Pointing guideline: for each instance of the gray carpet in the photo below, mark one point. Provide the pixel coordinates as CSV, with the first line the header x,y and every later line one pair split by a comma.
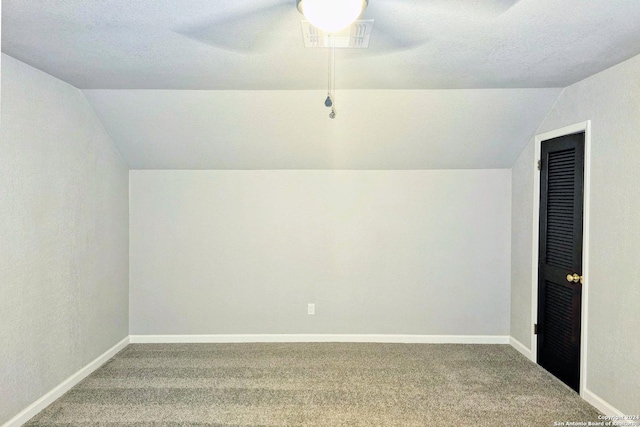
x,y
317,385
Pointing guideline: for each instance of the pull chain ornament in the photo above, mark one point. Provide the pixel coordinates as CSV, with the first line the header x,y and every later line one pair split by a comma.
x,y
330,101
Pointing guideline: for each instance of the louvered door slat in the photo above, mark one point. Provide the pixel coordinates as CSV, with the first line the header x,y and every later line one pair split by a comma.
x,y
560,197
557,325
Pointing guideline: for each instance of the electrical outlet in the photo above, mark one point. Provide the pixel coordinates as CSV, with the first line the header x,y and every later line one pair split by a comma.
x,y
311,309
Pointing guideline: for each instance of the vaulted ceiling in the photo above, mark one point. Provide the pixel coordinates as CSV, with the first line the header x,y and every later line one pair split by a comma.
x,y
228,84
453,129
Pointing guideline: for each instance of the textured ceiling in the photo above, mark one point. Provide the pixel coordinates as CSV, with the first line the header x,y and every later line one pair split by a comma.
x,y
257,44
251,95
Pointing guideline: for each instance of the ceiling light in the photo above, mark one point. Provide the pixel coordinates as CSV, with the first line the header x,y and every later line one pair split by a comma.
x,y
331,15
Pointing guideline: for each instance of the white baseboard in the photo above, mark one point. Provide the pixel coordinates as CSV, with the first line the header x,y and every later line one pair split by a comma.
x,y
360,338
37,406
593,399
600,404
521,348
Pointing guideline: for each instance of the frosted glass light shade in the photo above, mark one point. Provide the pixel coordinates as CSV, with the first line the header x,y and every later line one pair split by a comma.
x,y
331,15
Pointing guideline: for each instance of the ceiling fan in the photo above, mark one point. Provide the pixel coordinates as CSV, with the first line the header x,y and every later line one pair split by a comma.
x,y
399,24
330,17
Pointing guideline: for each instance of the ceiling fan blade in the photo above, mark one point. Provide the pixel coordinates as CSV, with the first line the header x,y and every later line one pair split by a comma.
x,y
396,27
501,6
244,32
483,7
387,39
399,28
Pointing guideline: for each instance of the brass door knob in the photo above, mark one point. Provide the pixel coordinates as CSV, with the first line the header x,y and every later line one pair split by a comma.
x,y
574,278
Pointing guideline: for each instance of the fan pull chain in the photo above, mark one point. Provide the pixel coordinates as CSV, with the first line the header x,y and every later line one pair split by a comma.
x,y
332,115
331,71
328,102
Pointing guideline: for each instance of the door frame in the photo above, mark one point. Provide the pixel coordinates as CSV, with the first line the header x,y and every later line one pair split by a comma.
x,y
567,130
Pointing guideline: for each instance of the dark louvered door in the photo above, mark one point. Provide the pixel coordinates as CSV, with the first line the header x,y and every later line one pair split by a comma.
x,y
560,257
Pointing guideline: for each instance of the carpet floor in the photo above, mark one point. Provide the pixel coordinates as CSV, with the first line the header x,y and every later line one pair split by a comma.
x,y
319,384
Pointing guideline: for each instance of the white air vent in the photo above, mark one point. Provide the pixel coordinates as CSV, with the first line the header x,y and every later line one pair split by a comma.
x,y
354,37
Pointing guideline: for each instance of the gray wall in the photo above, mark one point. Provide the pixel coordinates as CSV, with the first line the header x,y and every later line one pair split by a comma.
x,y
521,241
378,252
63,236
611,100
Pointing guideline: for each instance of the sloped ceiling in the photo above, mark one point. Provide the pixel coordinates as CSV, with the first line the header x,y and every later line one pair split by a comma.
x,y
201,84
439,129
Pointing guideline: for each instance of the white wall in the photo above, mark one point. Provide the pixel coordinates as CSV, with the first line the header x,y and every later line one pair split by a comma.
x,y
611,100
378,252
63,236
